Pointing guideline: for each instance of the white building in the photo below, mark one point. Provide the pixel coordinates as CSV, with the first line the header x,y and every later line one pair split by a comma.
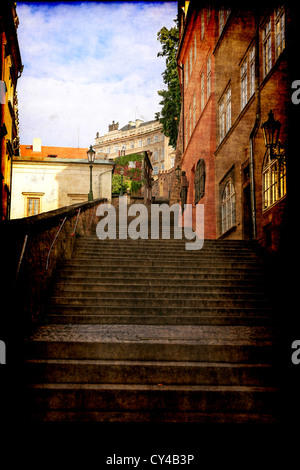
x,y
47,178
137,136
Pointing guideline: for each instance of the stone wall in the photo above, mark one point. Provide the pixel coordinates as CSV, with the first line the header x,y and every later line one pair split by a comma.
x,y
31,249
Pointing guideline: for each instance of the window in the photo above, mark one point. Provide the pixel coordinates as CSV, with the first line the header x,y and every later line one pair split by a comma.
x,y
148,140
132,144
155,170
124,146
33,206
202,25
202,90
267,47
225,114
228,109
155,155
140,143
244,84
223,16
273,179
172,161
252,71
279,31
33,203
208,67
221,120
199,180
228,207
194,109
156,138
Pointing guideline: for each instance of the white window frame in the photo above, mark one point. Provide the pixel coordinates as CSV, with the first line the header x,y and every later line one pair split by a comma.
x,y
208,76
279,31
267,47
252,71
202,91
228,206
244,83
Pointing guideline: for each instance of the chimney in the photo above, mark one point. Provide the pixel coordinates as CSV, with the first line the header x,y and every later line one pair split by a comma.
x,y
37,144
138,122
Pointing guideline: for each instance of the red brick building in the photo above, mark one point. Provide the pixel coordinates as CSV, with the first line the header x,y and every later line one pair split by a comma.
x,y
197,39
252,80
234,71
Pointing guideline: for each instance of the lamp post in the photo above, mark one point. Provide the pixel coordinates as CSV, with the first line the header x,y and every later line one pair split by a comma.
x,y
121,173
91,158
271,130
178,172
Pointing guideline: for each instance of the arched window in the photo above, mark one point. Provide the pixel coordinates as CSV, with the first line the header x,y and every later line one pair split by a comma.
x,y
199,180
228,206
273,179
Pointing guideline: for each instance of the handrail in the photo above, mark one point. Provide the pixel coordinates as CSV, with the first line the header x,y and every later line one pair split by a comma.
x,y
48,257
21,257
78,213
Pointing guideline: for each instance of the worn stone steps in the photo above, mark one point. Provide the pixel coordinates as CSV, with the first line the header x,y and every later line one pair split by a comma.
x,y
144,330
152,398
159,416
148,372
154,288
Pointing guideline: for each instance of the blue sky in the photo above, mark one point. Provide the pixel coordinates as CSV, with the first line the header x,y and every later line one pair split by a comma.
x,y
87,64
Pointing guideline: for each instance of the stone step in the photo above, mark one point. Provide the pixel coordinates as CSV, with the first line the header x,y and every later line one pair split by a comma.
x,y
152,398
126,262
81,316
166,292
161,302
80,276
143,416
183,270
154,288
234,344
147,372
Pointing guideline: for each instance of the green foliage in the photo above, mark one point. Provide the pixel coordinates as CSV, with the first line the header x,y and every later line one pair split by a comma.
x,y
116,184
132,178
171,96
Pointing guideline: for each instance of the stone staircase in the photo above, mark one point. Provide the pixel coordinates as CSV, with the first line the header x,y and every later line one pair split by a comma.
x,y
145,331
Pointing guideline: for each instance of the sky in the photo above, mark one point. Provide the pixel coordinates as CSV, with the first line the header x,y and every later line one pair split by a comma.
x,y
87,64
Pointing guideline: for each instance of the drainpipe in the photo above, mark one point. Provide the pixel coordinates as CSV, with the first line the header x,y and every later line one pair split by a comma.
x,y
182,104
253,132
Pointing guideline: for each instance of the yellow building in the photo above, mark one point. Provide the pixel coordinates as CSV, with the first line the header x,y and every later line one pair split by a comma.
x,y
11,68
47,178
137,136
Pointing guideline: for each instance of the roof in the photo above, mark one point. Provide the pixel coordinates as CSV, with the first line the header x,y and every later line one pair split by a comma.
x,y
128,126
54,152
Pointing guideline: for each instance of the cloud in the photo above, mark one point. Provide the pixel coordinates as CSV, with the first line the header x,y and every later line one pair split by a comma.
x,y
87,64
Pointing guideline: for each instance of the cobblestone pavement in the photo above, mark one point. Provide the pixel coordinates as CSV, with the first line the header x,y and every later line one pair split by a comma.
x,y
202,334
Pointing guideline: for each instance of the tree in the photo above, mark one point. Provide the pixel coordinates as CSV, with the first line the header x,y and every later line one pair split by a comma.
x,y
171,96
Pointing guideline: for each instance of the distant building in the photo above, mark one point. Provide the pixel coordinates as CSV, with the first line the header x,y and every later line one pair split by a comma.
x,y
11,68
47,178
137,136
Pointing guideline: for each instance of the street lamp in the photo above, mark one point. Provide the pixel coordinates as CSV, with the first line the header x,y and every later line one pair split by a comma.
x,y
178,172
121,173
91,158
271,130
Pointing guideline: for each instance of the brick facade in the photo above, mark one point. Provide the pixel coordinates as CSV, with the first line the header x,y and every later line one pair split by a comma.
x,y
245,189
